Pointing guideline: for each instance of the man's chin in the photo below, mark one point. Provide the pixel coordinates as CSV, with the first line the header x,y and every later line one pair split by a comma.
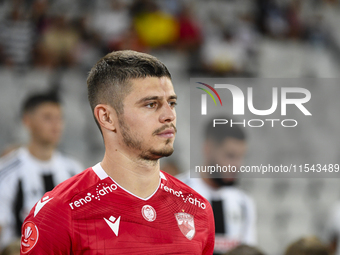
x,y
156,154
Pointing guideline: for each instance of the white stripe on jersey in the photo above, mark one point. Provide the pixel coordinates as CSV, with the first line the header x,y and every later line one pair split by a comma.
x,y
239,211
18,166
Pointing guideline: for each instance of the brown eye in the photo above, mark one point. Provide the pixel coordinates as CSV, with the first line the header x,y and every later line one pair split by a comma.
x,y
151,105
172,104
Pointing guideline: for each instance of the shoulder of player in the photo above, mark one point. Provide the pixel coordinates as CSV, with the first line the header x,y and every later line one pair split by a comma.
x,y
10,164
180,185
66,190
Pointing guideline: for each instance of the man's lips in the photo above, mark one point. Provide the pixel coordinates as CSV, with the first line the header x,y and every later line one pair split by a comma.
x,y
168,133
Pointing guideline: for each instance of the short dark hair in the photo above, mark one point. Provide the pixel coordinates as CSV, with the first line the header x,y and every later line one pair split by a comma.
x,y
244,249
37,99
108,80
221,132
310,245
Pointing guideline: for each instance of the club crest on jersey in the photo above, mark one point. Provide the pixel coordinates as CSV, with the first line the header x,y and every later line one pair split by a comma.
x,y
186,224
29,236
149,213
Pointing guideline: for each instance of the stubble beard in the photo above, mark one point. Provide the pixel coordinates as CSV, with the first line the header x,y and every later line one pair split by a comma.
x,y
132,141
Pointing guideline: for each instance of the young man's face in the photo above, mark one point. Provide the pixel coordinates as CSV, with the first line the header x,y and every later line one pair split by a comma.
x,y
45,123
230,151
148,124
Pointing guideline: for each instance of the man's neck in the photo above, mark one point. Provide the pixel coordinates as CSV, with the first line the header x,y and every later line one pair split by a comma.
x,y
140,177
40,151
210,183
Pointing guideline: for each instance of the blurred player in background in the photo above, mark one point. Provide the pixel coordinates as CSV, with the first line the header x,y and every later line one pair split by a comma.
x,y
234,211
331,232
309,245
125,204
244,249
28,172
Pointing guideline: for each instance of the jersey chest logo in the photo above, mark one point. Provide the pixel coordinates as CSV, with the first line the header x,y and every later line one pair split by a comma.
x,y
186,224
113,224
149,213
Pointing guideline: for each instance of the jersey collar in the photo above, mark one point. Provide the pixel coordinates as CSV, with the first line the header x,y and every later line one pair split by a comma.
x,y
100,172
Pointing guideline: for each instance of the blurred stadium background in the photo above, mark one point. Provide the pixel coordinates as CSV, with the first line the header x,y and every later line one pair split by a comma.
x,y
49,44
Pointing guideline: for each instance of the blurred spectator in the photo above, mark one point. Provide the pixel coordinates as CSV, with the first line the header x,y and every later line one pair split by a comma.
x,y
132,41
294,19
244,250
90,46
307,246
248,37
317,31
173,7
223,55
190,35
28,172
234,211
17,39
190,38
39,15
111,24
271,18
58,44
154,27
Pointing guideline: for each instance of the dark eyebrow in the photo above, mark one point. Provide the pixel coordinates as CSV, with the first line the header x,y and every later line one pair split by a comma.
x,y
173,97
145,99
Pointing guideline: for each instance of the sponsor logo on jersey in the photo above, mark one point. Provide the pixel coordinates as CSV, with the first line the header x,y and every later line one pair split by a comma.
x,y
186,224
149,213
186,198
113,224
29,236
40,204
102,189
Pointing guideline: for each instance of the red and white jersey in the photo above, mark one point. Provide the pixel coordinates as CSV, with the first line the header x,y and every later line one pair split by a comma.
x,y
91,214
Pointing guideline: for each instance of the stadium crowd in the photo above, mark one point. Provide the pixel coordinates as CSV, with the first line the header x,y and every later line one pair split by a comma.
x,y
219,38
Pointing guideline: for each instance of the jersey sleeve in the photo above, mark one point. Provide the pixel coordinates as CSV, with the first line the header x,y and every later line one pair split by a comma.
x,y
210,243
47,229
8,189
7,193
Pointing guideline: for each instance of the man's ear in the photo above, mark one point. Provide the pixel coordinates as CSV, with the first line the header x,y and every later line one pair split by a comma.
x,y
26,120
105,116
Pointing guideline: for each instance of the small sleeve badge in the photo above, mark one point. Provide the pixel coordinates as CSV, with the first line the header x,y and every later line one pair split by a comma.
x,y
29,236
